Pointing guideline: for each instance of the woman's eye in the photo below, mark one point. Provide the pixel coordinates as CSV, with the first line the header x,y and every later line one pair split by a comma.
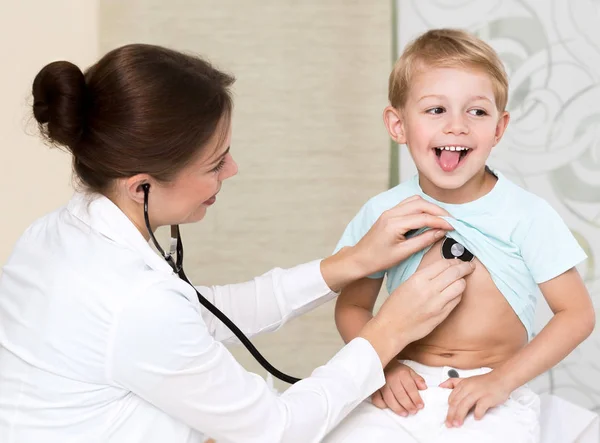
x,y
220,165
436,110
478,112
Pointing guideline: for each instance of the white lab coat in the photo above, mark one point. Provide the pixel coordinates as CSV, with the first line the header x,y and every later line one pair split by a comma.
x,y
101,342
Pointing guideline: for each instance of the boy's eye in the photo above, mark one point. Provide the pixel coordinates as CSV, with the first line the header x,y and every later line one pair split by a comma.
x,y
478,112
435,111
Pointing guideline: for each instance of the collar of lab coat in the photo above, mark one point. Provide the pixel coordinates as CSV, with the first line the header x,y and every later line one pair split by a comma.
x,y
103,216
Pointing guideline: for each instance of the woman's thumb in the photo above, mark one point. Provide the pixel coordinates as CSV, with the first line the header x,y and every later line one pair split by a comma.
x,y
421,241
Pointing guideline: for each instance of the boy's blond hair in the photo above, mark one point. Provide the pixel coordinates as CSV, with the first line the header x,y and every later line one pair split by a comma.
x,y
447,48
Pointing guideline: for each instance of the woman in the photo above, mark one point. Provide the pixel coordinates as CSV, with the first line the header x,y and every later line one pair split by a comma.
x,y
100,341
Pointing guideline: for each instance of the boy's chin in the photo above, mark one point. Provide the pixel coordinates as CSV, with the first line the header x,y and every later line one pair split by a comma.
x,y
449,182
452,180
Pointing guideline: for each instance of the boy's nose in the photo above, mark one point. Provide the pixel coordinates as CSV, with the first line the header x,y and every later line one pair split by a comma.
x,y
456,125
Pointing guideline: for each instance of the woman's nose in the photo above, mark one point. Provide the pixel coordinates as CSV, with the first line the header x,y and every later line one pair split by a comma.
x,y
231,170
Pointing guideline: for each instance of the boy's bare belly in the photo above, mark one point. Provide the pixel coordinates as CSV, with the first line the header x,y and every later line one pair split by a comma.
x,y
483,330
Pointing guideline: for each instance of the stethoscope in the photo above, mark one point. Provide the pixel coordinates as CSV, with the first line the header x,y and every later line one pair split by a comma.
x,y
450,249
177,265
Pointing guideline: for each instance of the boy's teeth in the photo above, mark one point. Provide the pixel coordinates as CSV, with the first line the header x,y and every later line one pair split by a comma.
x,y
453,148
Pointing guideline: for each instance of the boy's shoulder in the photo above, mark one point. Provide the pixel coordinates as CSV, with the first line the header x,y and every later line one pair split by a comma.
x,y
521,200
391,197
514,200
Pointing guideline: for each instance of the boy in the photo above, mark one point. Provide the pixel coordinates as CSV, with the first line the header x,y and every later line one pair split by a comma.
x,y
448,93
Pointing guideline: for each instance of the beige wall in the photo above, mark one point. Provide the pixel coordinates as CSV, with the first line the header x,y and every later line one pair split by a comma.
x,y
33,178
308,135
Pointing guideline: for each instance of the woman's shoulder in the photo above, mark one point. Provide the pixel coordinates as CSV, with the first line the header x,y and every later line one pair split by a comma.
x,y
65,251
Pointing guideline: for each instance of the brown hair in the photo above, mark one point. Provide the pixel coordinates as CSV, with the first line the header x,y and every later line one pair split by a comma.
x,y
139,109
447,48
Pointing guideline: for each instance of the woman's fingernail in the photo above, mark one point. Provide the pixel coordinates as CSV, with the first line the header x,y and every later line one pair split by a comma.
x,y
439,234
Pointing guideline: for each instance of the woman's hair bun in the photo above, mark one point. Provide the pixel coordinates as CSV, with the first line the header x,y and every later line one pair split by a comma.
x,y
59,102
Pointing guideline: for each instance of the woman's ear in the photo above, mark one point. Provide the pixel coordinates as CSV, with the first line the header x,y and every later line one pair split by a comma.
x,y
394,123
133,187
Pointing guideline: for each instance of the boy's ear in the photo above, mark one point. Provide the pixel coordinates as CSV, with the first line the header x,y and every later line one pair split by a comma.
x,y
501,127
394,122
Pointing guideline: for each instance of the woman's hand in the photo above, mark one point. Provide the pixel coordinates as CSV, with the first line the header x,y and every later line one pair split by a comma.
x,y
385,244
416,307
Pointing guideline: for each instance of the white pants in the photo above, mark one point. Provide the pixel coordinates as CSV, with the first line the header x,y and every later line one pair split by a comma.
x,y
515,421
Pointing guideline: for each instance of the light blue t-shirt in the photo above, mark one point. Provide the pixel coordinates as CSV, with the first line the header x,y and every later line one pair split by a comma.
x,y
519,238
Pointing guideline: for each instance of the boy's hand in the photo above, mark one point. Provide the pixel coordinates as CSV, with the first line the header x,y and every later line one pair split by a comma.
x,y
401,391
481,392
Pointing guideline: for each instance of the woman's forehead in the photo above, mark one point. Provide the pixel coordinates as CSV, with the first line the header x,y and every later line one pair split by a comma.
x,y
218,143
222,139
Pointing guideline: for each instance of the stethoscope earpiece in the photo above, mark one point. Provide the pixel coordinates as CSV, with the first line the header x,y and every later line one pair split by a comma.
x,y
176,246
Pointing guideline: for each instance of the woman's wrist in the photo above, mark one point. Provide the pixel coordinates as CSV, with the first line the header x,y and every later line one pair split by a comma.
x,y
341,269
386,343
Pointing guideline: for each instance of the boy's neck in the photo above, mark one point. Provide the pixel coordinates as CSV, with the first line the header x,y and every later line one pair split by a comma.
x,y
478,186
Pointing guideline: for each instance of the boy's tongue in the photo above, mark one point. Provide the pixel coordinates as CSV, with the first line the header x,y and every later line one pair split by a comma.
x,y
449,160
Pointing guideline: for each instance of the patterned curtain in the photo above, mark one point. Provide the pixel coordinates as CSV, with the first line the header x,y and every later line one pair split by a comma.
x,y
551,50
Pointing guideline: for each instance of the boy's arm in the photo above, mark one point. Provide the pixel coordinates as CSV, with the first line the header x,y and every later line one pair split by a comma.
x,y
354,306
573,322
561,286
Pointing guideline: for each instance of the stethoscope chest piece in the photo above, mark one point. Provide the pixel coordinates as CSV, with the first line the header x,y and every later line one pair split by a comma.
x,y
452,249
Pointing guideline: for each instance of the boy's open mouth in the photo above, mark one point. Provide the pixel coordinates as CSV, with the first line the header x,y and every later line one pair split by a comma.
x,y
449,157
